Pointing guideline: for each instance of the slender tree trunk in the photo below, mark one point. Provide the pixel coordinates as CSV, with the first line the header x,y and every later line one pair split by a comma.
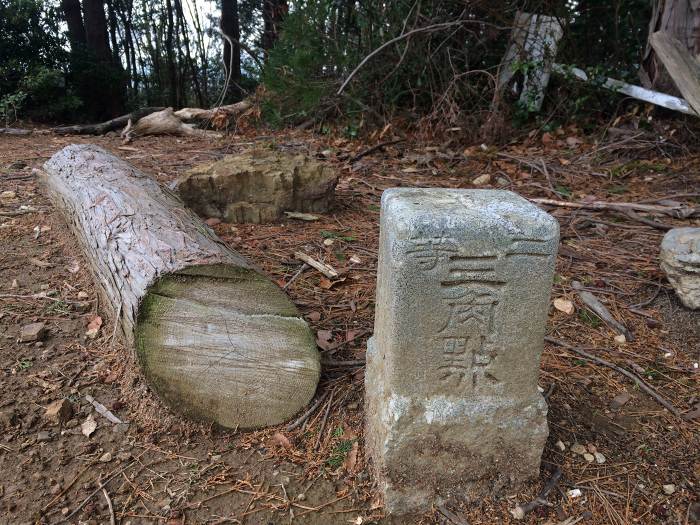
x,y
188,58
232,55
169,39
112,19
201,49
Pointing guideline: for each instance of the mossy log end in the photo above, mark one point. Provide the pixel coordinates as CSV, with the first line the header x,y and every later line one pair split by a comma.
x,y
215,339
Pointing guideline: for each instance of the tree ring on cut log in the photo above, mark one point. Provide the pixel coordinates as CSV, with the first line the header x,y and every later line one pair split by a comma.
x,y
184,328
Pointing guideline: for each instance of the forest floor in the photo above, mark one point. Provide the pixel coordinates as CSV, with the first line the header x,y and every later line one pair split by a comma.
x,y
156,468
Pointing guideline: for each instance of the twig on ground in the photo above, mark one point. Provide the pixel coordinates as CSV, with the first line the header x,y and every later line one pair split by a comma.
x,y
303,267
101,409
98,489
451,516
65,489
521,511
325,269
374,148
343,363
305,415
639,381
323,421
112,519
654,224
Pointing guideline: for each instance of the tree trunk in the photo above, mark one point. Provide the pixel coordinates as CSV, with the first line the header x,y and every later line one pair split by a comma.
x,y
74,20
104,93
189,59
680,19
96,29
217,340
232,49
273,11
172,73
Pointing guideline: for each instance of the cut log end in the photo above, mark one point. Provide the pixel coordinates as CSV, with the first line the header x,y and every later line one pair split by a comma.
x,y
230,320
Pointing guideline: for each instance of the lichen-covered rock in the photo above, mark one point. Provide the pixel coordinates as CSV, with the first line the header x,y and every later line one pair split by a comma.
x,y
680,259
258,186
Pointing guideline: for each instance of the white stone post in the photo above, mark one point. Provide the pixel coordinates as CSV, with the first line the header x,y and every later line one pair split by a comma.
x,y
453,409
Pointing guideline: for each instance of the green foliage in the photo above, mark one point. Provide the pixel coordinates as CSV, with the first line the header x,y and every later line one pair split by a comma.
x,y
589,318
47,94
10,105
299,71
339,453
32,62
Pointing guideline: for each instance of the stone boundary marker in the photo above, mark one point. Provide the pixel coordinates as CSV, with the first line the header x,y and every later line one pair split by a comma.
x,y
464,280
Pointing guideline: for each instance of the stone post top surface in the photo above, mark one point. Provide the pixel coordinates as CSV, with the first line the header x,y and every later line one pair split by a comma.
x,y
488,207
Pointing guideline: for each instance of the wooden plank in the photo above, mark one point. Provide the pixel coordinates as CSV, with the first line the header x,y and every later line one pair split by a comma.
x,y
638,92
680,64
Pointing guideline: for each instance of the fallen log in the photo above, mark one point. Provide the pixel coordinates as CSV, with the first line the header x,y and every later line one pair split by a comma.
x,y
105,127
203,114
163,122
218,341
15,131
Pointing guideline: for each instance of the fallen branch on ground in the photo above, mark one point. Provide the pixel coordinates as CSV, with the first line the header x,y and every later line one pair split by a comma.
x,y
601,310
162,123
300,421
15,131
521,511
681,212
105,127
325,269
638,380
374,148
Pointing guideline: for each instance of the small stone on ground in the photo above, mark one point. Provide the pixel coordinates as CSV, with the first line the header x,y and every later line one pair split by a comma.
x,y
32,332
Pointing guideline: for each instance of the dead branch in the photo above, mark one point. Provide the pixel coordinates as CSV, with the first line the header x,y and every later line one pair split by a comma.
x,y
305,415
598,308
521,511
638,380
206,114
15,131
680,212
105,127
374,148
326,270
163,122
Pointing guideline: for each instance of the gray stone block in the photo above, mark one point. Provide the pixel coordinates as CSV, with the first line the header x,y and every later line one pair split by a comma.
x,y
453,409
680,259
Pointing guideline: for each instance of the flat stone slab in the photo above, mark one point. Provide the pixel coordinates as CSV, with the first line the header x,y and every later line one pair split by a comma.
x,y
680,259
453,409
258,186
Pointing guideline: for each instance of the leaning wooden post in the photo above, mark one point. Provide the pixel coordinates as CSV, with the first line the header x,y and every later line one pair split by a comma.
x,y
217,340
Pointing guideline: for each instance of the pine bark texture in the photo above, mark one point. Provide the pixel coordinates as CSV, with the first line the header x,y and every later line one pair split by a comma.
x,y
217,340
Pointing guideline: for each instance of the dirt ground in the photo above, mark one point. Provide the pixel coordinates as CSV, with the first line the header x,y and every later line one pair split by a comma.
x,y
155,468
